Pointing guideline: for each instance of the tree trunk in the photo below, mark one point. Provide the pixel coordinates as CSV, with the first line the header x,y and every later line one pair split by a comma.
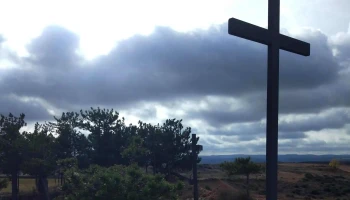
x,y
43,188
18,182
248,185
14,180
154,169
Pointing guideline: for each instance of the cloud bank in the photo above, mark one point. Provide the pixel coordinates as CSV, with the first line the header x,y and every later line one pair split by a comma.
x,y
215,82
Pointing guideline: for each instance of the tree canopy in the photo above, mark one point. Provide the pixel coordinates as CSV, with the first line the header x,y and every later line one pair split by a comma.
x,y
242,166
94,137
12,147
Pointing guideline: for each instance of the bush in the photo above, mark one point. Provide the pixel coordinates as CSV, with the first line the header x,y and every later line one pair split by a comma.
x,y
304,179
315,192
334,164
180,185
346,191
117,182
207,187
3,183
262,192
308,176
296,191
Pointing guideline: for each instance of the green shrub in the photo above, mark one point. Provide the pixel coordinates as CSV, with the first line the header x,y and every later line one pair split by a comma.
x,y
207,187
346,191
315,192
262,192
290,195
304,179
117,182
296,191
180,185
3,183
308,176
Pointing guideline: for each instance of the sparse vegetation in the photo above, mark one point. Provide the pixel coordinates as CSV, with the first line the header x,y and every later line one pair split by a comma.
x,y
142,155
230,195
308,176
334,164
207,187
241,166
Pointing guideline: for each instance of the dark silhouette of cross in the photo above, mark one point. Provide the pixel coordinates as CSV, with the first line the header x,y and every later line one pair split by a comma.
x,y
275,41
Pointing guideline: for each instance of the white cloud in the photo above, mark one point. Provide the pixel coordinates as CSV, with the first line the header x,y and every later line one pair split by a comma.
x,y
216,83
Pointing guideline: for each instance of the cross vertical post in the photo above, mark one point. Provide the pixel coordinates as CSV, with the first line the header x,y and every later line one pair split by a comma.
x,y
272,100
194,167
275,41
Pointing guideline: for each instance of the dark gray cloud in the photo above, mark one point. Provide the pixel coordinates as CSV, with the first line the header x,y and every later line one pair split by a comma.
x,y
33,110
217,118
318,69
164,65
341,43
233,147
288,128
330,120
301,101
316,147
240,129
291,135
55,48
168,66
251,132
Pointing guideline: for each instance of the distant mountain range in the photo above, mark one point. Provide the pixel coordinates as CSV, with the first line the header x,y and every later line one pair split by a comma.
x,y
216,159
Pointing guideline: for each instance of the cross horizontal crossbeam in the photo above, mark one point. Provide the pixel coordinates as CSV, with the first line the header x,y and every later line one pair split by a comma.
x,y
264,36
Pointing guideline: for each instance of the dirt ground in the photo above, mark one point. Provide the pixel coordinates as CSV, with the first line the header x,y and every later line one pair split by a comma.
x,y
295,181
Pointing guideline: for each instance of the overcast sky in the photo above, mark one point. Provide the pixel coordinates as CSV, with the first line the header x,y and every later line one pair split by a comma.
x,y
153,60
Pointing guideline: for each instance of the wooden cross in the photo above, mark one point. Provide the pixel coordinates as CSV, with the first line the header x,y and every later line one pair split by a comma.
x,y
275,41
195,148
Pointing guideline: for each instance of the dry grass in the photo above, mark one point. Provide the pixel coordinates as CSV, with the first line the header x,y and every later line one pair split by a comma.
x,y
26,185
345,168
325,184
